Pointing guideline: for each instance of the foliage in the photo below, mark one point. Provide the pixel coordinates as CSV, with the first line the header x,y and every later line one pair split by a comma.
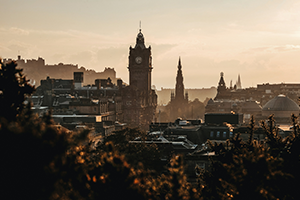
x,y
14,88
250,170
32,156
147,154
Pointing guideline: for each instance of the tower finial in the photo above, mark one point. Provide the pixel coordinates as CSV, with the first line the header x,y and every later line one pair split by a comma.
x,y
140,25
179,63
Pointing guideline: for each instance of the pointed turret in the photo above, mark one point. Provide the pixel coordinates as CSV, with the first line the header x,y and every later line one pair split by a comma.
x,y
222,85
186,96
172,96
140,41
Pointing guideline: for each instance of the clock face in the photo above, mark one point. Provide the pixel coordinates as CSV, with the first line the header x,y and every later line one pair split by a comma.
x,y
138,60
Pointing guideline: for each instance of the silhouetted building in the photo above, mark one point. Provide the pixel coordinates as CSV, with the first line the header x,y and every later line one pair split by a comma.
x,y
247,108
139,100
220,118
179,100
278,99
282,107
261,94
78,79
222,90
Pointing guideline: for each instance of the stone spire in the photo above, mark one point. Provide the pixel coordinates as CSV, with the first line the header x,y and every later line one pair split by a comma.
x,y
238,83
179,90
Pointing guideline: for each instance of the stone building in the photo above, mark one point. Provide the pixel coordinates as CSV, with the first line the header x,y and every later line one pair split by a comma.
x,y
139,100
179,100
260,102
282,107
262,93
247,108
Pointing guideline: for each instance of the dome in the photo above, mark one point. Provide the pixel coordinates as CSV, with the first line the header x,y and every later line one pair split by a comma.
x,y
281,103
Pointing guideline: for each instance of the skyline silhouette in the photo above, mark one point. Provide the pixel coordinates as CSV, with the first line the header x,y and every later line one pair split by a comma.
x,y
258,40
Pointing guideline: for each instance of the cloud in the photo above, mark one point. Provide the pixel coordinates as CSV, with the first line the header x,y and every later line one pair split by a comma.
x,y
18,31
269,51
287,48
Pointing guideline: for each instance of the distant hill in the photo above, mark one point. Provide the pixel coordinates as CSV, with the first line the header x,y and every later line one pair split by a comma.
x,y
37,70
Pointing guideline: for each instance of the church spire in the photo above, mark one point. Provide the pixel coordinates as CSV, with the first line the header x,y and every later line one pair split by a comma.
x,y
179,63
238,83
179,90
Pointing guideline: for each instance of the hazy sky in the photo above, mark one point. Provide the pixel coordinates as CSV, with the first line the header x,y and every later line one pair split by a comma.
x,y
258,39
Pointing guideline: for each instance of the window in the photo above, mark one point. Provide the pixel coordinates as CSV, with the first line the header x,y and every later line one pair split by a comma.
x,y
218,133
224,134
231,134
211,134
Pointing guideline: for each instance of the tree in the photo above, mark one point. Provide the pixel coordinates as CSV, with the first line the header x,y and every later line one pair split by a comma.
x,y
34,150
249,170
147,154
14,88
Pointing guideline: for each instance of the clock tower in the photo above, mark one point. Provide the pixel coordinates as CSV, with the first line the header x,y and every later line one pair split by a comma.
x,y
139,100
140,65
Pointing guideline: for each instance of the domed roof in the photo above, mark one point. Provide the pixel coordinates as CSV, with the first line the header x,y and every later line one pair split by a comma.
x,y
281,103
140,40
